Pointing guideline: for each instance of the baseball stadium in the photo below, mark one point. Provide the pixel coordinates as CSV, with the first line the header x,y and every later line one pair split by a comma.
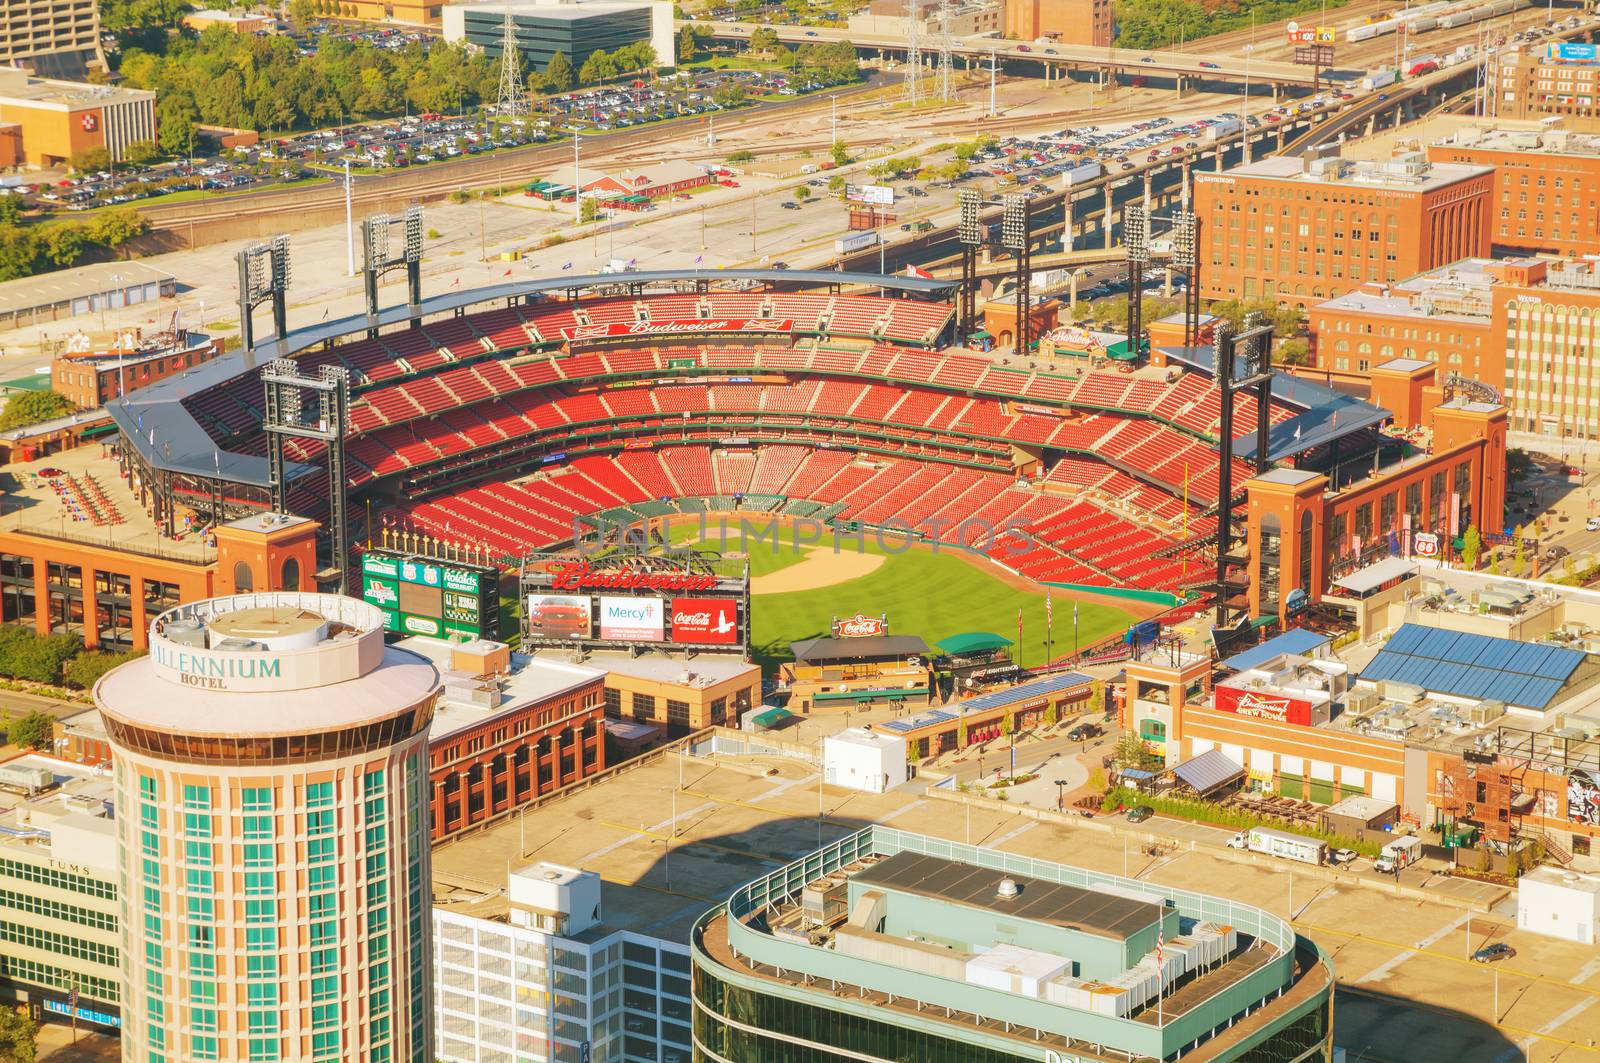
x,y
898,468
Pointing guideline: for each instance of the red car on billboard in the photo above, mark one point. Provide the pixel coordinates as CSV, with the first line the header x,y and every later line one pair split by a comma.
x,y
558,616
709,620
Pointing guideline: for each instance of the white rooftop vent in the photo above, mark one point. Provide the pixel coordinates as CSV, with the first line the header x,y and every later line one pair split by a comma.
x,y
1007,890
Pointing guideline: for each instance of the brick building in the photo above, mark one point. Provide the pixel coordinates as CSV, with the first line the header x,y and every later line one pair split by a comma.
x,y
1087,22
1301,231
1524,326
1546,185
1303,536
93,378
1557,79
507,729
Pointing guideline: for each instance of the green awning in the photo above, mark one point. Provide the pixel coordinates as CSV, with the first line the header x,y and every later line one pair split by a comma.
x,y
869,695
973,642
771,718
99,430
33,382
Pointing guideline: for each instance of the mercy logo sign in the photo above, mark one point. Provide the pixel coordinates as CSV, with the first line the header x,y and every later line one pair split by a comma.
x,y
632,619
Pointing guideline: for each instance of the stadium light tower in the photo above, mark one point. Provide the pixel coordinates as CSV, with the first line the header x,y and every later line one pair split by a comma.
x,y
1243,363
264,277
289,415
377,259
1185,259
969,234
1015,226
1136,241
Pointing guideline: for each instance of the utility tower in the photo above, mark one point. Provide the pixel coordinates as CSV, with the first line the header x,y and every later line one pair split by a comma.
x,y
513,96
946,45
913,52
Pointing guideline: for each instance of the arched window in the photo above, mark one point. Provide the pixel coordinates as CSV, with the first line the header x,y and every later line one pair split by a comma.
x,y
291,574
243,580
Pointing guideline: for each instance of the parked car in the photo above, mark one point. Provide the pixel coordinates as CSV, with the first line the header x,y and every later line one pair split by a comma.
x,y
1340,857
1494,953
1140,813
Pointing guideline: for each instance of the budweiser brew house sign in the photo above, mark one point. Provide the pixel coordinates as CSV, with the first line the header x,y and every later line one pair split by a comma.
x,y
1263,705
571,576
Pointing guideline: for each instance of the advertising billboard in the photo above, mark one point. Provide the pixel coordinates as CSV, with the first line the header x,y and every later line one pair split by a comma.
x,y
877,195
1575,52
631,596
419,596
711,620
617,329
1279,708
632,619
559,616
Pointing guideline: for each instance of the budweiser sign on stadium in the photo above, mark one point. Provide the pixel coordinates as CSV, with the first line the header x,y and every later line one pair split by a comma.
x,y
572,576
859,626
617,329
1263,705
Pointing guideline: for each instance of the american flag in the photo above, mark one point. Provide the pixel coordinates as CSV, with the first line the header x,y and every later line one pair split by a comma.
x,y
1161,940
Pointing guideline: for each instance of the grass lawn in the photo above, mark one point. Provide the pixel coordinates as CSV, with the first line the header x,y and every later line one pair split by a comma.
x,y
763,558
934,595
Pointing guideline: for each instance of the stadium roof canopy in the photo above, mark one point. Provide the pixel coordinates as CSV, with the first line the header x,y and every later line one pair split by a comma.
x,y
1525,674
973,642
1295,640
1329,414
156,424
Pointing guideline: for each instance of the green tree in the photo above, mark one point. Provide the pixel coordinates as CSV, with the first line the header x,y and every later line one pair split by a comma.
x,y
175,125
141,152
91,159
1471,546
763,39
18,1036
116,226
302,12
802,193
558,72
1294,352
31,407
10,210
1132,752
840,152
36,730
741,156
836,183
588,209
688,45
85,670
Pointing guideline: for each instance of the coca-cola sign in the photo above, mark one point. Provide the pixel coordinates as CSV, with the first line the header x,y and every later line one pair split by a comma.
x,y
582,576
1278,708
859,626
709,620
616,329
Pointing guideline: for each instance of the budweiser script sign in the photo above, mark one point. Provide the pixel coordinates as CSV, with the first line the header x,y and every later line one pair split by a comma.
x,y
582,576
667,328
1253,703
859,626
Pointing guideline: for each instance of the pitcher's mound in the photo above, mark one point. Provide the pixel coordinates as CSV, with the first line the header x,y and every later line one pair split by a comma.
x,y
821,567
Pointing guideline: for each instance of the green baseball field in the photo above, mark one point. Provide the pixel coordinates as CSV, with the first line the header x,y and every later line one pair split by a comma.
x,y
796,593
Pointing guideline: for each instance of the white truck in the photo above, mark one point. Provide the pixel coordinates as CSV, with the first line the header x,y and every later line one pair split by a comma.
x,y
856,241
1377,79
1083,171
1281,843
1402,852
1224,127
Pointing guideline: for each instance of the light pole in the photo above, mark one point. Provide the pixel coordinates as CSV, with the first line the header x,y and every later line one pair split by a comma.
x,y
577,181
1061,785
349,226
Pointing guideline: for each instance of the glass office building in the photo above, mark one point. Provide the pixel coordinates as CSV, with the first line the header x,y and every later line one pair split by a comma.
x,y
270,777
895,946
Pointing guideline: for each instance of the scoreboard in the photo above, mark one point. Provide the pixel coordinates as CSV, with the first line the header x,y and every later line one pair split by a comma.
x,y
427,596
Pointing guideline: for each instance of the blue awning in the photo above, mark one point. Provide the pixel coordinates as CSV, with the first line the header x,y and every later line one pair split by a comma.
x,y
1295,640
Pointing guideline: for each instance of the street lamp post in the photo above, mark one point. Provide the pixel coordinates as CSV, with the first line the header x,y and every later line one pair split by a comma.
x,y
1061,785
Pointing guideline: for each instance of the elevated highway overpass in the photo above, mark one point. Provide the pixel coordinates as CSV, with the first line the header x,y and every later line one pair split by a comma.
x,y
1189,70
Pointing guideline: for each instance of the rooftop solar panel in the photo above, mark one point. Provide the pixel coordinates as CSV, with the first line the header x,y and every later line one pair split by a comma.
x,y
1478,666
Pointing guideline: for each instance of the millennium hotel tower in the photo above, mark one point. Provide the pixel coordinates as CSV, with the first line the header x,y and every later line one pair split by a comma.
x,y
271,790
